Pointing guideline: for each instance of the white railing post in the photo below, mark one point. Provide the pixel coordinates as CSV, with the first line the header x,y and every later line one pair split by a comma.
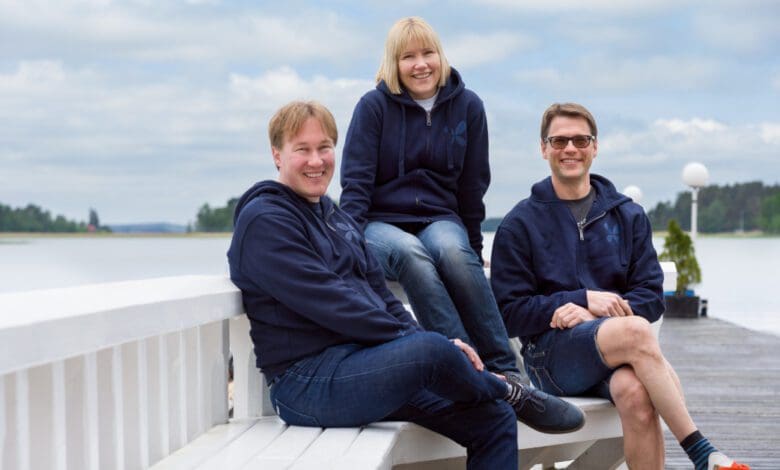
x,y
118,408
143,404
2,419
250,393
59,421
22,431
91,415
163,408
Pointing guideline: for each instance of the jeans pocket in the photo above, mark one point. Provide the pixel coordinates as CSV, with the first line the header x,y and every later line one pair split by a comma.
x,y
545,381
295,418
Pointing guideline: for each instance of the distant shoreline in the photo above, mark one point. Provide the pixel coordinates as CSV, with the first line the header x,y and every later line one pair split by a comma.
x,y
114,235
6,235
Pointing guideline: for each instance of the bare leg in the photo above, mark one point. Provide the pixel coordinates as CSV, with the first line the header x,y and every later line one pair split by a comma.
x,y
676,379
643,439
630,341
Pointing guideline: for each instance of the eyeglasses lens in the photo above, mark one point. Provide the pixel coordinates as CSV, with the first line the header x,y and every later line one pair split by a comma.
x,y
579,141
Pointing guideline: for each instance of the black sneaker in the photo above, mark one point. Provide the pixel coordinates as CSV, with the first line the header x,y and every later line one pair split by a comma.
x,y
543,412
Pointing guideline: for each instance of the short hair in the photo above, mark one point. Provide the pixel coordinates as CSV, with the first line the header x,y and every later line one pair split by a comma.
x,y
572,110
400,35
290,118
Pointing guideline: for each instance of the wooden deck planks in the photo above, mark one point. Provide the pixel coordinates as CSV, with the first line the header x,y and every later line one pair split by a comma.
x,y
731,379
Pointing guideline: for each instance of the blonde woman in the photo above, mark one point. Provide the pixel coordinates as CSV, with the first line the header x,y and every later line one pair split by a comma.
x,y
414,172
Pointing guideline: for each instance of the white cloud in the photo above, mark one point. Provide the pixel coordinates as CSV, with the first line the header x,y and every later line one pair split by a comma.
x,y
690,127
770,133
744,29
29,75
165,32
160,141
609,6
470,50
618,75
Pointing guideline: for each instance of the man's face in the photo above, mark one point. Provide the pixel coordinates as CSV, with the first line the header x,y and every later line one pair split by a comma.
x,y
569,165
306,161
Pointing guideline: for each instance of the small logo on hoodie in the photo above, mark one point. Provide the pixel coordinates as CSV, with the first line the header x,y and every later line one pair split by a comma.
x,y
349,231
613,233
458,135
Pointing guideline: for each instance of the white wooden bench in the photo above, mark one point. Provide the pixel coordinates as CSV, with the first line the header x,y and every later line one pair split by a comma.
x,y
134,374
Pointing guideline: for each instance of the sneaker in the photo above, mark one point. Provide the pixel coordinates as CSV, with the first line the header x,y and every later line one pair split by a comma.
x,y
718,461
543,412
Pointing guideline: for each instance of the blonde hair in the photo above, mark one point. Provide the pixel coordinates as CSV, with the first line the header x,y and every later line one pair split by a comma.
x,y
290,118
400,35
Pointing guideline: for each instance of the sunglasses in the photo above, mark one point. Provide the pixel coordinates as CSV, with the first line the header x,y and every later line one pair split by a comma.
x,y
560,142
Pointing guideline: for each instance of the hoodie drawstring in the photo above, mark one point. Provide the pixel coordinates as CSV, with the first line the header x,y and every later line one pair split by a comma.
x,y
450,159
402,143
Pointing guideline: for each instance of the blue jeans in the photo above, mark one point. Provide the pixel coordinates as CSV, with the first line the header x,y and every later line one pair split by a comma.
x,y
446,286
422,378
568,362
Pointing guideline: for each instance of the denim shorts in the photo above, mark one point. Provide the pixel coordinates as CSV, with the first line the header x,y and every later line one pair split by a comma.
x,y
568,362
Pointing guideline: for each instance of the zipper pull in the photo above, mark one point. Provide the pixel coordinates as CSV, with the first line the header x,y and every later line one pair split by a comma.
x,y
580,227
428,118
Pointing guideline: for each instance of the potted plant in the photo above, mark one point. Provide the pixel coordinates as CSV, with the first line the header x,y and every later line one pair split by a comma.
x,y
678,247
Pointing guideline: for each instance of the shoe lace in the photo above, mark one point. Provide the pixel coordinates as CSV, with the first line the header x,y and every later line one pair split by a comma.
x,y
527,396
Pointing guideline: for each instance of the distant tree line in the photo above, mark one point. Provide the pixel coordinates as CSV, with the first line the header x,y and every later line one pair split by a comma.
x,y
742,206
34,219
730,208
217,219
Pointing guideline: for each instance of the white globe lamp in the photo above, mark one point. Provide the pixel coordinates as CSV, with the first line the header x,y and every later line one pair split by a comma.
x,y
696,176
634,193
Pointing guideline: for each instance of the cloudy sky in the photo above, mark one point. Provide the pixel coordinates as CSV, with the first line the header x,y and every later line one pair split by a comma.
x,y
147,109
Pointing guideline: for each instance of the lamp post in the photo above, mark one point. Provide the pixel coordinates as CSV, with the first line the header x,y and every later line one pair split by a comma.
x,y
696,176
634,193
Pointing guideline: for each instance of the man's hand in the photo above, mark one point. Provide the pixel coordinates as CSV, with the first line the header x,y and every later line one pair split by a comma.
x,y
607,304
470,353
569,315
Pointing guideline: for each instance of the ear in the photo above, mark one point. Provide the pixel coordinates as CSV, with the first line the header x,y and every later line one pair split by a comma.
x,y
543,146
277,157
595,148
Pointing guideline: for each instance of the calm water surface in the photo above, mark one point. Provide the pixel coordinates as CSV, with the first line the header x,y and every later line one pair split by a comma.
x,y
739,273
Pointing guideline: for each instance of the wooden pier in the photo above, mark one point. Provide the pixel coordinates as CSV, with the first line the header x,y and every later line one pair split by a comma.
x,y
731,379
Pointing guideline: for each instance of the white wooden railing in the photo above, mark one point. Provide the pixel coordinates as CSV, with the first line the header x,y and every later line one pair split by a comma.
x,y
121,375
114,375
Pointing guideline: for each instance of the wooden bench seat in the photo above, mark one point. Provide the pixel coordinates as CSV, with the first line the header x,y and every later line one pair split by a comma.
x,y
268,443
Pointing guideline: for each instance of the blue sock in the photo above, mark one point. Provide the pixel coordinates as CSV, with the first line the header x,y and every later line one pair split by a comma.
x,y
698,449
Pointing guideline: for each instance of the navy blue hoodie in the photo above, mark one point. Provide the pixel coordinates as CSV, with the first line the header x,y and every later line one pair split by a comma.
x,y
401,164
541,260
306,279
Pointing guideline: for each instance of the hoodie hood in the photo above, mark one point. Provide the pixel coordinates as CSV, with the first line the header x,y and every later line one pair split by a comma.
x,y
607,196
270,187
275,187
446,96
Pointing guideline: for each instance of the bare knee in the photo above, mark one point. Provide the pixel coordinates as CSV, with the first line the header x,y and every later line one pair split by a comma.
x,y
631,398
626,340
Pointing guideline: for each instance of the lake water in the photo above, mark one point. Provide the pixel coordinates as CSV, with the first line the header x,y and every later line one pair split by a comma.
x,y
739,273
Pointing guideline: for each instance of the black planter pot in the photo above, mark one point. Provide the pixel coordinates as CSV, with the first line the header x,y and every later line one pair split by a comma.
x,y
682,306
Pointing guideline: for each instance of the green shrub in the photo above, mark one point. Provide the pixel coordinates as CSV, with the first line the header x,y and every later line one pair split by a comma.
x,y
678,247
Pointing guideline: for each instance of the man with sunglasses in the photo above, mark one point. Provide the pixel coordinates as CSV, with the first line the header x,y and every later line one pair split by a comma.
x,y
576,277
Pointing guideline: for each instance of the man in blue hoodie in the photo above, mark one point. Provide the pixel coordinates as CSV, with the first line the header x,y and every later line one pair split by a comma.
x,y
576,277
335,346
